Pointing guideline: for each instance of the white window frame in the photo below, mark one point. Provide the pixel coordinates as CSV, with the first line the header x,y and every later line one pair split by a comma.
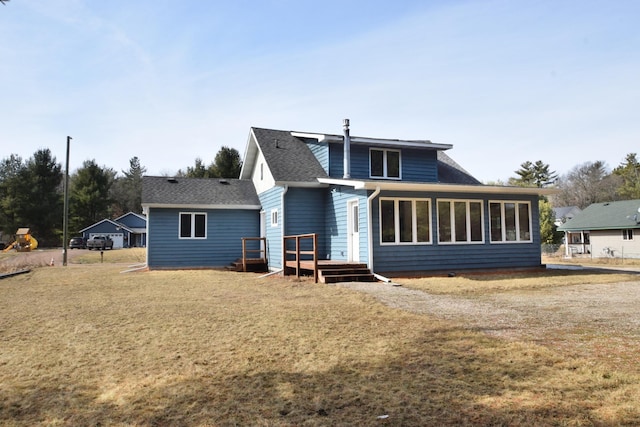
x,y
414,221
274,217
502,222
627,234
385,164
452,221
193,226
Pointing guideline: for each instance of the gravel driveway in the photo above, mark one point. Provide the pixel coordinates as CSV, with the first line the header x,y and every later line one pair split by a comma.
x,y
578,314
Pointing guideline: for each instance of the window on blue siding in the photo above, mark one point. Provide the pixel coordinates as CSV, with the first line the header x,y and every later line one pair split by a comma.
x,y
387,221
510,221
274,217
405,221
384,163
193,225
460,221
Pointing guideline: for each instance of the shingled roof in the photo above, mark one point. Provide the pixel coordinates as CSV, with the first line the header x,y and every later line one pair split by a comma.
x,y
450,172
192,192
289,158
606,216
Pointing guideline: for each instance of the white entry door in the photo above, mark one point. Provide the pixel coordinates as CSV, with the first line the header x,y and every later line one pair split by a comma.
x,y
353,233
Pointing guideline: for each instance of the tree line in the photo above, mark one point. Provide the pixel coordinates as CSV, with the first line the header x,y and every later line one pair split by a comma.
x,y
32,192
583,185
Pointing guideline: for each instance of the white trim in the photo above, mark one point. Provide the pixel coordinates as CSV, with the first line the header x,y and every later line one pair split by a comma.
x,y
452,218
353,256
370,227
503,229
425,143
414,221
131,213
274,217
196,206
436,187
385,164
147,241
298,184
193,226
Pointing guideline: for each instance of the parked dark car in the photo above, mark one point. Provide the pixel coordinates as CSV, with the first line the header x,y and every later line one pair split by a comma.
x,y
78,243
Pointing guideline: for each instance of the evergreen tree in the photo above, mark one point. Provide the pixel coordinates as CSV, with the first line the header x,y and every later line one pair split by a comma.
x,y
227,163
10,169
41,197
89,199
629,172
199,170
126,191
536,174
31,196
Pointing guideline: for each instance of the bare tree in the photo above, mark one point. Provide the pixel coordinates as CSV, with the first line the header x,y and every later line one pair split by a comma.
x,y
587,183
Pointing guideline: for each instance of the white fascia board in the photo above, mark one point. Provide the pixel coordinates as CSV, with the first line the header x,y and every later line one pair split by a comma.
x,y
250,156
436,187
374,141
318,136
130,213
344,182
299,184
599,228
177,206
400,143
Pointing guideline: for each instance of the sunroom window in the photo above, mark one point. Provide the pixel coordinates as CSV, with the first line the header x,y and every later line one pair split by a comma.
x,y
460,221
510,221
405,221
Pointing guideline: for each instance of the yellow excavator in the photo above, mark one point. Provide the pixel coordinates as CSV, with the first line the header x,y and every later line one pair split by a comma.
x,y
24,241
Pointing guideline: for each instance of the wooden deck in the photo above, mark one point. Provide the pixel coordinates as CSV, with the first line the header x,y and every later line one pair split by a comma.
x,y
331,271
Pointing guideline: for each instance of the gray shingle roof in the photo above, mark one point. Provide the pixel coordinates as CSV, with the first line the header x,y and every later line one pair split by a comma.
x,y
450,172
198,191
605,216
288,157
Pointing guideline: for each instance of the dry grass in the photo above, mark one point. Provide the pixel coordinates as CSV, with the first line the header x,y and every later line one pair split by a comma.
x,y
477,284
87,345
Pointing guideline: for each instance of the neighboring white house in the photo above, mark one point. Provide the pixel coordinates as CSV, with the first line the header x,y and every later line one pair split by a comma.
x,y
610,229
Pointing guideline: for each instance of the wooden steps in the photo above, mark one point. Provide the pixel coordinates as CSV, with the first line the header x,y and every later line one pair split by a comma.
x,y
344,272
253,265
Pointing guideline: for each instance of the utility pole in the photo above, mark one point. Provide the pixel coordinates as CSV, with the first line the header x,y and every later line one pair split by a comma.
x,y
65,220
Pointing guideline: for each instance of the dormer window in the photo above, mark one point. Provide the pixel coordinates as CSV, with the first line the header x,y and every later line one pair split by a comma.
x,y
384,163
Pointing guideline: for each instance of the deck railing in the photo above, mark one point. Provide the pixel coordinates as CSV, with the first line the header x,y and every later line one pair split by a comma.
x,y
297,258
262,251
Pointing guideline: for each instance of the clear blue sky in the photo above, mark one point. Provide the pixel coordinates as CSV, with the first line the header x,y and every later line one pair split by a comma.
x,y
169,81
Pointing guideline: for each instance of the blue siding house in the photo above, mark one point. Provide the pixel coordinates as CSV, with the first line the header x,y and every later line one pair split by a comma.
x,y
400,206
126,231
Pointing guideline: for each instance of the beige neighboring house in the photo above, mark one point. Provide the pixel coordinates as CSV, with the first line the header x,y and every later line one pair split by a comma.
x,y
609,229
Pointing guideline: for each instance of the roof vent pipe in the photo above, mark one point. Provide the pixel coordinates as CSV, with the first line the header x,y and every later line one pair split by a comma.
x,y
347,150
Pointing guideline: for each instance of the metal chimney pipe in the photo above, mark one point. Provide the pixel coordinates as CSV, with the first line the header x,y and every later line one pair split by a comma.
x,y
347,150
